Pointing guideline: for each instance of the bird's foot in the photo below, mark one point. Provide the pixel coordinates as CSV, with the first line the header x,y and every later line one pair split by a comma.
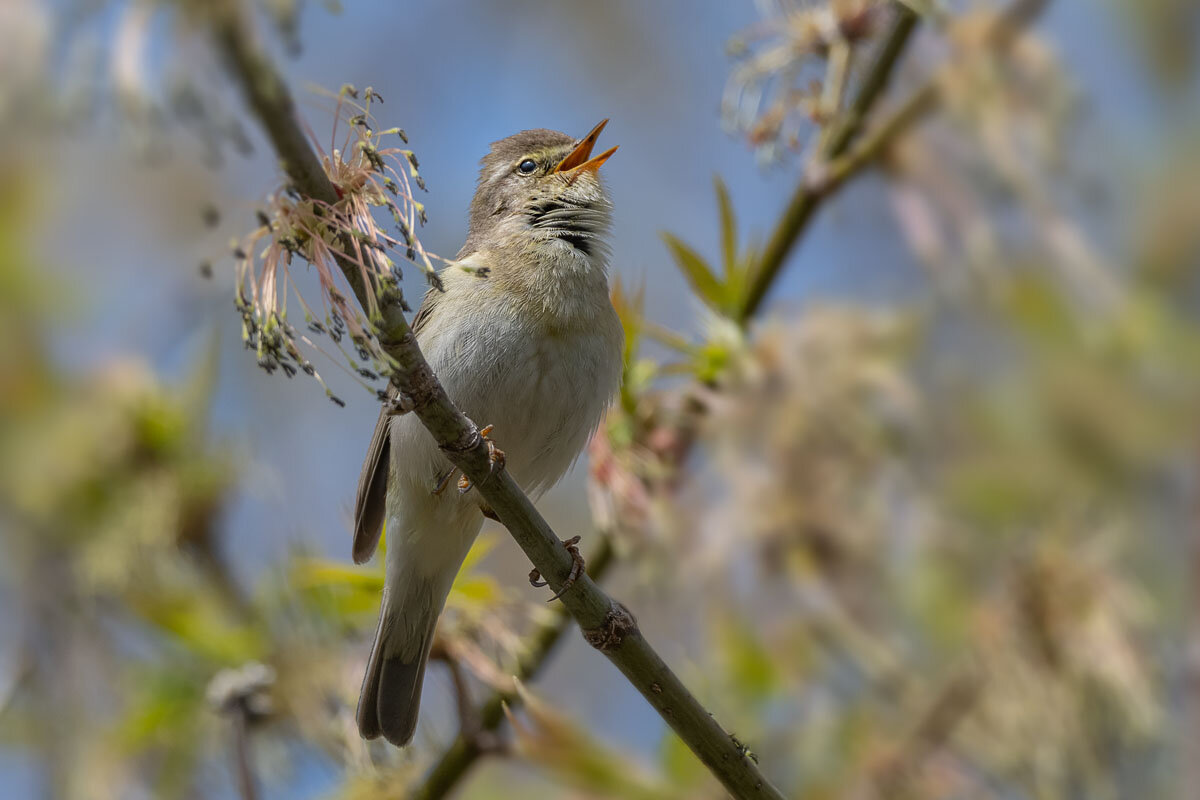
x,y
495,459
577,567
496,456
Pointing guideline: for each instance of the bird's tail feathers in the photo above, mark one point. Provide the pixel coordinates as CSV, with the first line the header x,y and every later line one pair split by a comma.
x,y
391,691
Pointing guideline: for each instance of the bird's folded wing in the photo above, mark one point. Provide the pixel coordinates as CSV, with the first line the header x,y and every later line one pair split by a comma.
x,y
370,502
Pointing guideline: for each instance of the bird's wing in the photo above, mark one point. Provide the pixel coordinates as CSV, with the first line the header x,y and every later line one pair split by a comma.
x,y
370,502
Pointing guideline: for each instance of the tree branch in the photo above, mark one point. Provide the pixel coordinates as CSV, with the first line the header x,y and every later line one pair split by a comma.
x,y
805,200
247,788
831,169
606,624
953,702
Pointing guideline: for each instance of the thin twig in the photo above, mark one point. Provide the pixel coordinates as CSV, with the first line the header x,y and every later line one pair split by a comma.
x,y
607,625
953,702
807,198
805,201
470,725
834,92
247,787
462,692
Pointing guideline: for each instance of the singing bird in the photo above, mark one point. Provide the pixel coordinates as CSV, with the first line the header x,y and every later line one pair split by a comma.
x,y
524,337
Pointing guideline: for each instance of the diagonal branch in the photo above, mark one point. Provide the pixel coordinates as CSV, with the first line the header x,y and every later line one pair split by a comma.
x,y
607,625
806,200
837,161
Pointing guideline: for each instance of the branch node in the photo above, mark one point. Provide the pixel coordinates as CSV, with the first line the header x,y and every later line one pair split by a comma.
x,y
618,623
466,442
400,404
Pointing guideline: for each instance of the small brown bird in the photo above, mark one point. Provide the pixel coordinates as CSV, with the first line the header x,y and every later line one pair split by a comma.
x,y
524,338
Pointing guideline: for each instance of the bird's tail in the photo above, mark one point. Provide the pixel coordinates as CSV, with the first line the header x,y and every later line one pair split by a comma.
x,y
391,690
420,573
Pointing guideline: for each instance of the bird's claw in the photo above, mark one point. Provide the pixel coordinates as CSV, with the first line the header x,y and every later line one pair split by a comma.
x,y
577,567
496,456
495,459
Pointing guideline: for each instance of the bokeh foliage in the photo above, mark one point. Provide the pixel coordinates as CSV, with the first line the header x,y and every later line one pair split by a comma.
x,y
932,547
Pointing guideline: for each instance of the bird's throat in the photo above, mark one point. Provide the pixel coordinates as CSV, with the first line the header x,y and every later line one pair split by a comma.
x,y
581,227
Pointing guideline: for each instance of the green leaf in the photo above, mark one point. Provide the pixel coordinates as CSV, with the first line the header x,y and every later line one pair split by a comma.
x,y
483,545
728,229
640,375
738,282
710,361
628,305
475,592
697,272
165,703
337,591
199,623
469,589
314,573
464,580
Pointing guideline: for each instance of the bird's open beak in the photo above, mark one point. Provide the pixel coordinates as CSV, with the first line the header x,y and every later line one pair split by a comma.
x,y
578,159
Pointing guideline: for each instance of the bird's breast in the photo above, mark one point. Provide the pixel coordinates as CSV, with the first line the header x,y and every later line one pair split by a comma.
x,y
541,382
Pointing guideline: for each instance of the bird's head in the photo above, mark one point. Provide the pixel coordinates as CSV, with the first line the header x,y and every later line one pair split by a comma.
x,y
541,188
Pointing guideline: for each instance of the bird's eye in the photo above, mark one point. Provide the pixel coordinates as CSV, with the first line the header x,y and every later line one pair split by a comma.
x,y
527,166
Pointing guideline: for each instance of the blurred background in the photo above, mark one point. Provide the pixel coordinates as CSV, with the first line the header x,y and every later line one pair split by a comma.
x,y
924,525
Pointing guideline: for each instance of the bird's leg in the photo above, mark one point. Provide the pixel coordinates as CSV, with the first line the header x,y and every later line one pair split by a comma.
x,y
577,567
443,482
495,461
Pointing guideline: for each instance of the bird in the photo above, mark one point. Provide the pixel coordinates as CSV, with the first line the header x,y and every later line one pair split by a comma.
x,y
523,335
